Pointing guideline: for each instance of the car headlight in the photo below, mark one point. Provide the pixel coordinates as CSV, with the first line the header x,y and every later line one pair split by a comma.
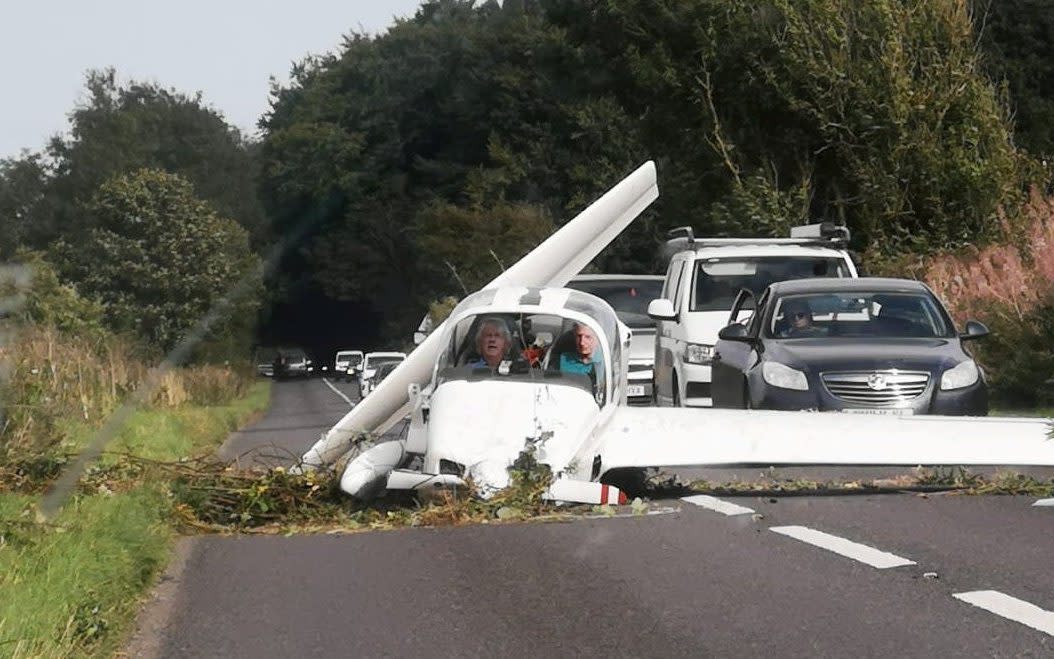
x,y
783,376
960,376
698,353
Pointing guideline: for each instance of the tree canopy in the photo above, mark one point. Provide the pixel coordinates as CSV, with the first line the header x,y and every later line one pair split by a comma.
x,y
761,115
157,259
118,129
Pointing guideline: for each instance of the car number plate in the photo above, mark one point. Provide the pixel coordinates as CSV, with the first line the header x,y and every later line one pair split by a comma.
x,y
635,390
882,411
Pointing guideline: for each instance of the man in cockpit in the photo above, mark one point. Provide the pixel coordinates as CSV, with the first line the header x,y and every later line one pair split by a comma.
x,y
587,357
492,343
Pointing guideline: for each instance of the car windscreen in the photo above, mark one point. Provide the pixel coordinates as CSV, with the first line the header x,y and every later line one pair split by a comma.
x,y
628,297
864,315
719,280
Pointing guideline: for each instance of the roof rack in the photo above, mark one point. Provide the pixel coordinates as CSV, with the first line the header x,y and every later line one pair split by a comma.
x,y
821,234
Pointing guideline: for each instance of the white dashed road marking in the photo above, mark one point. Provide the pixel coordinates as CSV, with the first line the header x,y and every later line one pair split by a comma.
x,y
854,550
338,392
715,504
1011,608
1045,502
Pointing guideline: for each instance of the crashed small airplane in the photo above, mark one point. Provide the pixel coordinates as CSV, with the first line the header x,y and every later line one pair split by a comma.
x,y
471,418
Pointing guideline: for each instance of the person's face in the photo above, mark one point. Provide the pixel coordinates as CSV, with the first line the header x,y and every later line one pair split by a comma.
x,y
800,318
492,344
585,342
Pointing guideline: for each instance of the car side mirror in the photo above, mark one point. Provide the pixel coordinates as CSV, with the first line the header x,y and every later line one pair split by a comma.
x,y
419,338
974,330
661,309
735,332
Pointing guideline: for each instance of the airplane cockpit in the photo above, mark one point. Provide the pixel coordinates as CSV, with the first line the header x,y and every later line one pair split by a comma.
x,y
556,336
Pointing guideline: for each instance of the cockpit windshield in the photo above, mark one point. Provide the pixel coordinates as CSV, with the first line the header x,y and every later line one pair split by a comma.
x,y
525,347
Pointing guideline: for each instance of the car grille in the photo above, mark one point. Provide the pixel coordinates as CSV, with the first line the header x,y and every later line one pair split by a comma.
x,y
633,368
877,387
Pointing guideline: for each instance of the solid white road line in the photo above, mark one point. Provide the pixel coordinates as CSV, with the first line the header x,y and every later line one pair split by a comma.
x,y
1011,608
338,392
713,503
1045,502
854,550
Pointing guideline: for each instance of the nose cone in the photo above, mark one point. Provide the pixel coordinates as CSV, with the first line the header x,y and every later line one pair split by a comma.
x,y
486,425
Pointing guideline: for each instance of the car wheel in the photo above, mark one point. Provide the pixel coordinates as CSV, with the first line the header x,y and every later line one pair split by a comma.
x,y
746,396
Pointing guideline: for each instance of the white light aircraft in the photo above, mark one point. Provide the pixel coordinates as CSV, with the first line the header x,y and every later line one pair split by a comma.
x,y
470,419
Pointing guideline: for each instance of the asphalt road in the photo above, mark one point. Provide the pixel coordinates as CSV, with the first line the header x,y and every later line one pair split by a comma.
x,y
692,581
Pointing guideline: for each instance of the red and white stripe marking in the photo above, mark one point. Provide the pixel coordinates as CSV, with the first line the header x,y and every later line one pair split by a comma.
x,y
1011,608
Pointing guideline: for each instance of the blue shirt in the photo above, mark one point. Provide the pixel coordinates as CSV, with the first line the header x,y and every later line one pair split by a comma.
x,y
570,363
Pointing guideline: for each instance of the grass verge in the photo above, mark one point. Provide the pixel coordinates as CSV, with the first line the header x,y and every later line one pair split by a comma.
x,y
72,588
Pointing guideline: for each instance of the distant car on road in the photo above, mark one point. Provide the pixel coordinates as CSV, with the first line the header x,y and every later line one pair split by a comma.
x,y
629,296
870,345
346,364
383,371
292,363
265,360
370,363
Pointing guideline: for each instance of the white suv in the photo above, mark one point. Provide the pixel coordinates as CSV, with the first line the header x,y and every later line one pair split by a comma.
x,y
702,282
370,363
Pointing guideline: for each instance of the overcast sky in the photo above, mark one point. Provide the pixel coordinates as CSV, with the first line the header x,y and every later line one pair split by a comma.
x,y
226,49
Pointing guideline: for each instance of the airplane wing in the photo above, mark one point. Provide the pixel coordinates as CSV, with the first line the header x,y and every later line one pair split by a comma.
x,y
681,437
553,263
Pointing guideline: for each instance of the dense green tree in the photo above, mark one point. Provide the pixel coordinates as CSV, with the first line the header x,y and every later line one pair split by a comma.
x,y
876,114
158,259
462,104
759,114
118,129
23,184
1017,39
474,244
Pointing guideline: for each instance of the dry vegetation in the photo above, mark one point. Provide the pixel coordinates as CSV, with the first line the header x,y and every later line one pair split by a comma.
x,y
56,380
1017,276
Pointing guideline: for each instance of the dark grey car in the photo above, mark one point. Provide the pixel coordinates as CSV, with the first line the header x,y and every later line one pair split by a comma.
x,y
869,345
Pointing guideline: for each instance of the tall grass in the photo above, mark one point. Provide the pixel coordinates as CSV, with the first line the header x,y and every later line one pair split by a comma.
x,y
54,378
71,588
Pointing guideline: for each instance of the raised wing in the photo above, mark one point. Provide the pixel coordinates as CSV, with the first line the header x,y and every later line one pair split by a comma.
x,y
680,437
552,263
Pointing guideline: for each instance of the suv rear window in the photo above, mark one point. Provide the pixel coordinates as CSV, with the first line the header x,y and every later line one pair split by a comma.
x,y
718,280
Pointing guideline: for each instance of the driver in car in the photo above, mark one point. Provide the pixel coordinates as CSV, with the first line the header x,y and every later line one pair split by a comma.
x,y
492,343
797,321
